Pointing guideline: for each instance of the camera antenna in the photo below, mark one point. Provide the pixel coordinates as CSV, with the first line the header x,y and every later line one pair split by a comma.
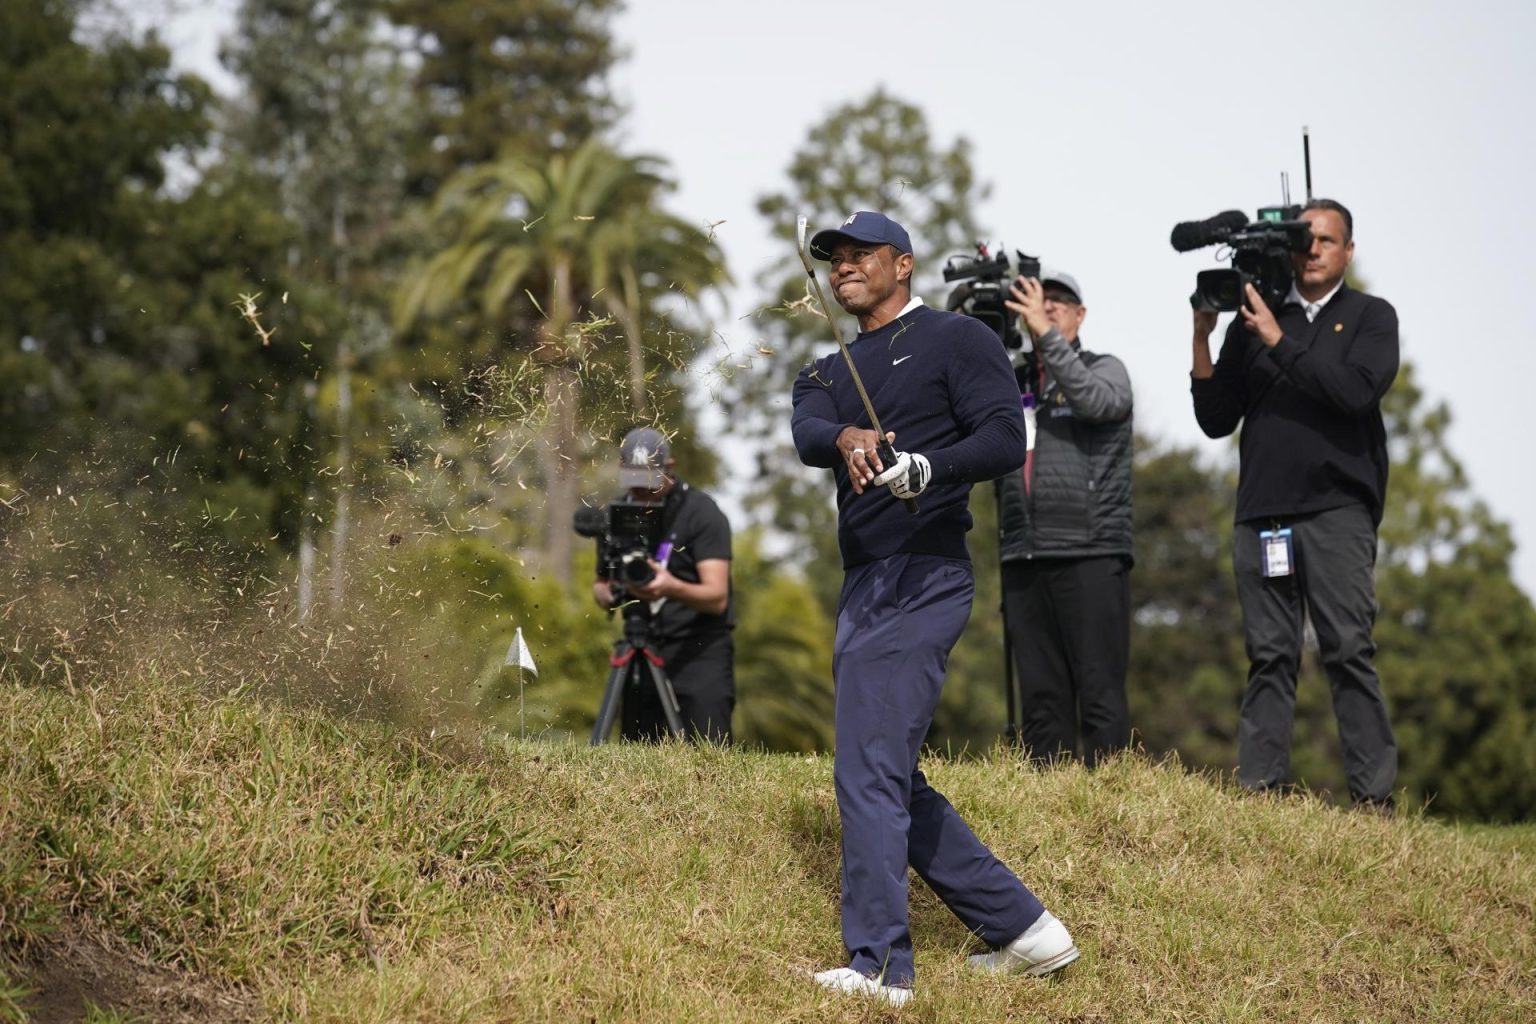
x,y
1285,189
886,452
1306,158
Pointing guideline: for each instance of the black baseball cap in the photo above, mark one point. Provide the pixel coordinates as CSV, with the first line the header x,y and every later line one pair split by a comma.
x,y
864,226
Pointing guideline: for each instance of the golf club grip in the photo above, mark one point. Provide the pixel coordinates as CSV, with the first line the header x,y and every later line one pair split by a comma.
x,y
887,455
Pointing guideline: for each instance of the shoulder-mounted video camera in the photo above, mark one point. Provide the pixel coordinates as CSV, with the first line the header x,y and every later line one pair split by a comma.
x,y
628,533
1260,249
984,279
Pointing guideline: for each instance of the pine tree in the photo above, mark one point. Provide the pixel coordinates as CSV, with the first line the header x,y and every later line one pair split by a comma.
x,y
1456,636
88,131
521,76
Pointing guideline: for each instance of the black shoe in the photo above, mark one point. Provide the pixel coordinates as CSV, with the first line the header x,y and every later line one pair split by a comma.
x,y
1382,808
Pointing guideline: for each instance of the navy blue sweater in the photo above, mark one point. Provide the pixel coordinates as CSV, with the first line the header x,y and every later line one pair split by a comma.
x,y
942,384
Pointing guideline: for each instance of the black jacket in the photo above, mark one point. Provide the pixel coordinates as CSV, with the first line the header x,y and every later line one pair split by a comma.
x,y
1079,501
1310,408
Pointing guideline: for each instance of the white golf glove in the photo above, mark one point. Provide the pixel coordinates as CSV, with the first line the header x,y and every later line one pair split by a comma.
x,y
908,478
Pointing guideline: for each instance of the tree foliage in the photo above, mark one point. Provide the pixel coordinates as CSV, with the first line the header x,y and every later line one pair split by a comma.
x,y
784,655
1456,636
1187,665
562,233
320,128
87,133
521,76
126,366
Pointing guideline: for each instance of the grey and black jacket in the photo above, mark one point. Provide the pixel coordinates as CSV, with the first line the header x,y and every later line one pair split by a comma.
x,y
1079,501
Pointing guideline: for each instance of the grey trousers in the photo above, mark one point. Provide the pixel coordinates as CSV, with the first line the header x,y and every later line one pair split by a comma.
x,y
1333,582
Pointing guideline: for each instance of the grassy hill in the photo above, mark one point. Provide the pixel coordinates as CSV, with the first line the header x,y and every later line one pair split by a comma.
x,y
167,855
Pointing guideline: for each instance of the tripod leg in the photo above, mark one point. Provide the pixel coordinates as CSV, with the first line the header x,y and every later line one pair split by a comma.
x,y
668,698
1011,684
1013,729
610,705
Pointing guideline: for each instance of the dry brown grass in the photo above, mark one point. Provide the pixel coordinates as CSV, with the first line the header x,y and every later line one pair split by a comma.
x,y
329,871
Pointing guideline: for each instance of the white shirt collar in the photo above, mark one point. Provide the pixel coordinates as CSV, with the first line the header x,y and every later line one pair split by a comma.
x,y
1312,308
912,303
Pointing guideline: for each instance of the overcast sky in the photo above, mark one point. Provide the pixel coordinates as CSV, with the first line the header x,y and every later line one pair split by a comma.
x,y
1102,124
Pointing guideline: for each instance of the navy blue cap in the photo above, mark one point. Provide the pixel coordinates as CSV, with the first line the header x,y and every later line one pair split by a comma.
x,y
864,226
643,458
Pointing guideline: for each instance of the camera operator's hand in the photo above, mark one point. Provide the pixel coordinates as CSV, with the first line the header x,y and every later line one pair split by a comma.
x,y
859,449
1259,319
1205,323
663,583
602,593
1029,303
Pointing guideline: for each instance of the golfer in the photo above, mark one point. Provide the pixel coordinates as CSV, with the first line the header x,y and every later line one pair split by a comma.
x,y
943,388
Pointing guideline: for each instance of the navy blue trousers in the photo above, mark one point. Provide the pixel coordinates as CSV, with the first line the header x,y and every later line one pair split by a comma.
x,y
897,620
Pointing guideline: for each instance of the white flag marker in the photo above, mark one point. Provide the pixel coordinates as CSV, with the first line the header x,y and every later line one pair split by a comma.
x,y
518,655
520,658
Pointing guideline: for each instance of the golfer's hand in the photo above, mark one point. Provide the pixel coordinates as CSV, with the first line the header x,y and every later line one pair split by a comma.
x,y
858,448
908,478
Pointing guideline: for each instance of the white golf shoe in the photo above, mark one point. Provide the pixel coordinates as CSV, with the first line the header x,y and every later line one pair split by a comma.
x,y
846,979
1044,947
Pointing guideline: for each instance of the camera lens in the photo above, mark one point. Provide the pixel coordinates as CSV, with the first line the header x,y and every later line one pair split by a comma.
x,y
635,569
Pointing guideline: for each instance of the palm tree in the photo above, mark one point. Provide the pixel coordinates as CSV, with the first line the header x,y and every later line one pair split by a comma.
x,y
649,253
584,226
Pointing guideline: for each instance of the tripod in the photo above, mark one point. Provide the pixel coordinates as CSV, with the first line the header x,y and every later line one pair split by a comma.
x,y
636,664
1013,730
1030,376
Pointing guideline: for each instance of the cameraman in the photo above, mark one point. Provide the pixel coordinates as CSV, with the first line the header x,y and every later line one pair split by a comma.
x,y
1065,521
689,598
1306,384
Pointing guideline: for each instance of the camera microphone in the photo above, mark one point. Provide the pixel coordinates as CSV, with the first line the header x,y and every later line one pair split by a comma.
x,y
1197,234
590,520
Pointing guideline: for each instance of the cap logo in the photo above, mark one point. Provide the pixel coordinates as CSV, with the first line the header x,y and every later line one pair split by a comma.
x,y
640,456
851,219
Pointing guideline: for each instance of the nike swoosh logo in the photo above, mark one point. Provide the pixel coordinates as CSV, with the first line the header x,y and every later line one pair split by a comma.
x,y
895,362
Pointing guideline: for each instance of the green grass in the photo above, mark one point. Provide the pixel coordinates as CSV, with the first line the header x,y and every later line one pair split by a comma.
x,y
337,871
